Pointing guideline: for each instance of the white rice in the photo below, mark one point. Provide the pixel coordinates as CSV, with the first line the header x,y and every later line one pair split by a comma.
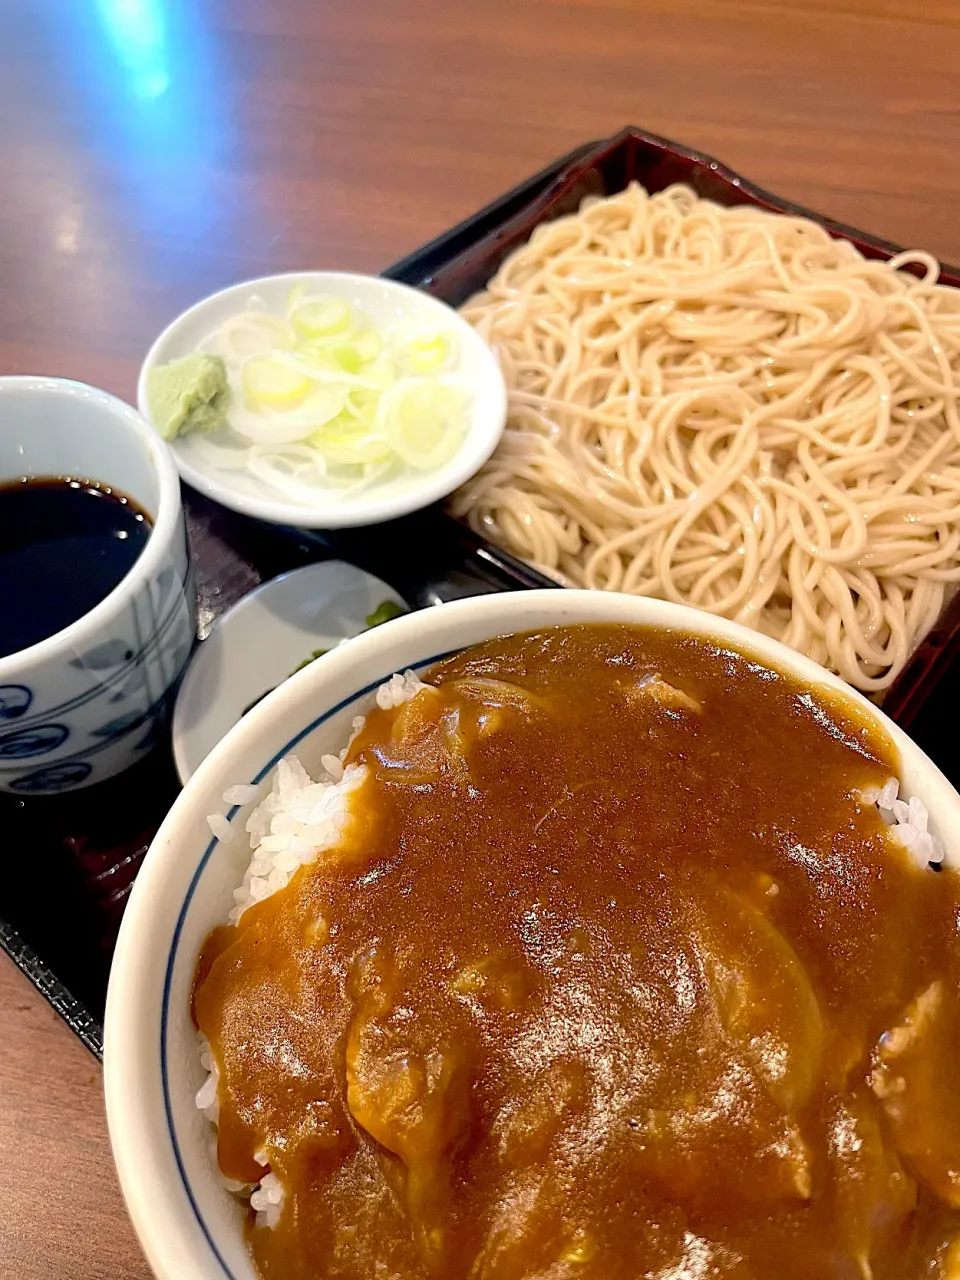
x,y
398,690
267,1200
220,827
333,765
297,822
207,1099
244,793
909,819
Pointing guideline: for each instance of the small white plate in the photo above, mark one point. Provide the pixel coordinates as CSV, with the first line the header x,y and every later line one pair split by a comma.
x,y
385,302
261,641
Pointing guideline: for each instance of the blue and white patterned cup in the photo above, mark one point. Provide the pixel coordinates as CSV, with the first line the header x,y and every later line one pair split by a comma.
x,y
90,700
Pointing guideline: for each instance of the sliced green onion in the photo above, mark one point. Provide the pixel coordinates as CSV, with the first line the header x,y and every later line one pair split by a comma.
x,y
252,333
423,420
347,440
429,353
361,404
273,383
321,317
287,426
351,353
324,402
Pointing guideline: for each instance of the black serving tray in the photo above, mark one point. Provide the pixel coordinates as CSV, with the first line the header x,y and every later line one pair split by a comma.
x,y
71,860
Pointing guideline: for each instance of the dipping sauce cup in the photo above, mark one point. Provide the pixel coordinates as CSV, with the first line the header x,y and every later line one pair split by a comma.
x,y
88,701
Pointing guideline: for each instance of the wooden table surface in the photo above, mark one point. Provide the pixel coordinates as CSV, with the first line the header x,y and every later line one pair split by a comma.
x,y
154,150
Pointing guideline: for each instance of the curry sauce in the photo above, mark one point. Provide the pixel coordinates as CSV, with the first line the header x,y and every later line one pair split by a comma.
x,y
617,972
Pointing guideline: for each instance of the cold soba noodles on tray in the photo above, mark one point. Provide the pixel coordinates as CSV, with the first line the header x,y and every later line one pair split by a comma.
x,y
562,971
728,408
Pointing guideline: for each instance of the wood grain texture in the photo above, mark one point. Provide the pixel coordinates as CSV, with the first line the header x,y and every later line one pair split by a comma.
x,y
148,160
63,1218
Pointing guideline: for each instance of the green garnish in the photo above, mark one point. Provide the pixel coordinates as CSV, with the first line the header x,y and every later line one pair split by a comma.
x,y
317,653
190,394
383,613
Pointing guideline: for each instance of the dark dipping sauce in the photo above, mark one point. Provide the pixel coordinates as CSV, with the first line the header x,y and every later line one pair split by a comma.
x,y
65,543
616,974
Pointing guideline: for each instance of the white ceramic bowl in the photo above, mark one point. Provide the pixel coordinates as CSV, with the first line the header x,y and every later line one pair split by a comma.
x,y
189,1226
385,302
88,701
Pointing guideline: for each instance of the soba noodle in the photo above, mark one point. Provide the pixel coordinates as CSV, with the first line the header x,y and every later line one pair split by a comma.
x,y
729,408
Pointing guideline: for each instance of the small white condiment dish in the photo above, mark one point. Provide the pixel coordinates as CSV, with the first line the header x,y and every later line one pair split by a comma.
x,y
386,303
190,1227
261,642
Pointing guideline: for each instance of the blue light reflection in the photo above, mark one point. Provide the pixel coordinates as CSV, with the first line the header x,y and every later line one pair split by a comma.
x,y
136,30
156,86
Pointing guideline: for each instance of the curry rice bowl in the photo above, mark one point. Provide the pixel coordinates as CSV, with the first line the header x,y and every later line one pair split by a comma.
x,y
189,1223
302,818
